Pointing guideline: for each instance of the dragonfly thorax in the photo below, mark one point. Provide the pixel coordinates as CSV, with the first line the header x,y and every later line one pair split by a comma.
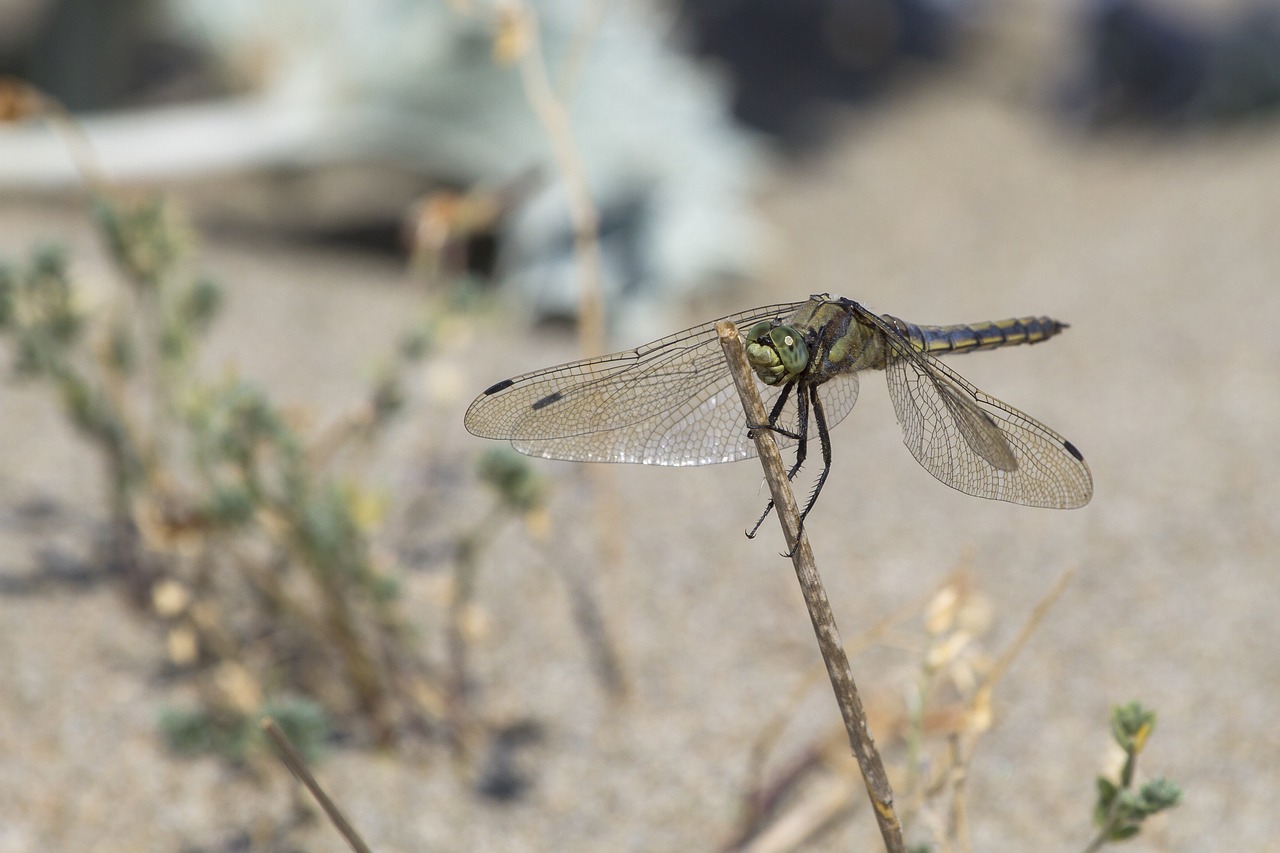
x,y
776,353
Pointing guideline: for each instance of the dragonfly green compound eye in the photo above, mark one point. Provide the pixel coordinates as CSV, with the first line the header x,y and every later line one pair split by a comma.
x,y
791,349
759,332
776,353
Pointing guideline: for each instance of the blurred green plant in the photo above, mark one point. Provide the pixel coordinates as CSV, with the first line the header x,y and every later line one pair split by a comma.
x,y
234,528
200,730
1121,809
519,493
519,489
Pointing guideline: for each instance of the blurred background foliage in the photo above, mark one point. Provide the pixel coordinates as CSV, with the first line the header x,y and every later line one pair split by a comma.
x,y
253,540
380,121
246,535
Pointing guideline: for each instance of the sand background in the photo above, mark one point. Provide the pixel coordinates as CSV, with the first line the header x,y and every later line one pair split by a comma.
x,y
959,199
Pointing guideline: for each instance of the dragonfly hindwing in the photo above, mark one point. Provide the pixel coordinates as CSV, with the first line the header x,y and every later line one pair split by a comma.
x,y
979,429
931,410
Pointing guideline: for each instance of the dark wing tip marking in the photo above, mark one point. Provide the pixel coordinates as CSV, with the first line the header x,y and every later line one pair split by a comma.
x,y
547,400
1071,448
495,388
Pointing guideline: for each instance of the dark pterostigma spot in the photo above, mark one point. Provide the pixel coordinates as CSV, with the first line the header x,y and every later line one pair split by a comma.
x,y
494,389
1071,448
547,400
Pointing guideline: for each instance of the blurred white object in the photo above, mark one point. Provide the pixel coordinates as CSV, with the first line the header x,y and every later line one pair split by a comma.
x,y
413,84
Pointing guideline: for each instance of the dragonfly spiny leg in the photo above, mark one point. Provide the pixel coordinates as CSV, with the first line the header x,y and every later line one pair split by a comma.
x,y
824,439
771,423
801,437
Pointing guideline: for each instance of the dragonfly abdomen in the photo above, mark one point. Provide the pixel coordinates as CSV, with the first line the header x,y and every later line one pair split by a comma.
x,y
968,337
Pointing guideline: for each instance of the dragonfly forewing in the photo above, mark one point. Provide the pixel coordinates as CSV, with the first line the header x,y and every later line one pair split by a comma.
x,y
672,402
669,402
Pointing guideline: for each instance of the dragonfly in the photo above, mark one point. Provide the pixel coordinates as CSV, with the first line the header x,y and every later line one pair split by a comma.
x,y
673,401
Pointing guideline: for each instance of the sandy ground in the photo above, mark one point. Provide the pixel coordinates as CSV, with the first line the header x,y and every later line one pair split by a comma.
x,y
952,204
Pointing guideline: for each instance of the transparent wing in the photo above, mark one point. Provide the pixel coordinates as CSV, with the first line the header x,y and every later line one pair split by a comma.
x,y
669,402
973,442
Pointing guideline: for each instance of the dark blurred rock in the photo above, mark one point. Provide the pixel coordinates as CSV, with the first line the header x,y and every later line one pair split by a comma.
x,y
790,61
94,56
1144,65
505,774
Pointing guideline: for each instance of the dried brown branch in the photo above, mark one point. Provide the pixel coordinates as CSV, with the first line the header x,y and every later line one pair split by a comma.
x,y
832,800
299,768
980,705
584,34
554,118
815,596
20,101
762,794
518,28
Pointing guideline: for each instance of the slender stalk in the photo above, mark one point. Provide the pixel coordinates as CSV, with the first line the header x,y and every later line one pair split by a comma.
x,y
549,106
554,118
967,746
584,34
42,104
768,739
815,596
299,768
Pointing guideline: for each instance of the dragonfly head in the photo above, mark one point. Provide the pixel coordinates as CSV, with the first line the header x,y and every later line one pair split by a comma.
x,y
776,353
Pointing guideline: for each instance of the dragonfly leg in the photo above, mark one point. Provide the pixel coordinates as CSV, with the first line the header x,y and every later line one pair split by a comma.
x,y
771,423
802,437
802,444
824,439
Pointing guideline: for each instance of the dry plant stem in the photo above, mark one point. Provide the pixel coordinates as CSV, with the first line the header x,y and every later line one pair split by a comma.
x,y
1038,613
78,145
820,809
298,767
554,118
959,800
815,596
772,731
584,33
764,794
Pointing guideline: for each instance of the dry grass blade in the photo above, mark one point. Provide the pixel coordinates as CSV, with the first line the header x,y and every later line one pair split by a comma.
x,y
981,706
832,800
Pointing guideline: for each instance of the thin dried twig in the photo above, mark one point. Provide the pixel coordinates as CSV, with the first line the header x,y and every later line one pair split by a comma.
x,y
584,34
299,768
815,596
1038,613
521,22
20,101
554,118
959,819
832,800
762,795
772,731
